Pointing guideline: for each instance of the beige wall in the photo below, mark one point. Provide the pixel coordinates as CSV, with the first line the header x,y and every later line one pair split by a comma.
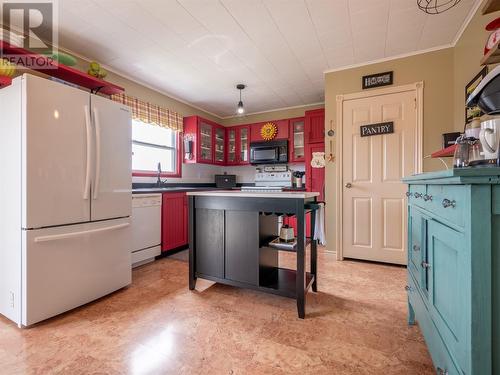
x,y
444,73
269,116
435,69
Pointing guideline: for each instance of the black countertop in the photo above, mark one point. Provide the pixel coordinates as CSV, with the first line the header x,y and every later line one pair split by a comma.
x,y
156,190
151,188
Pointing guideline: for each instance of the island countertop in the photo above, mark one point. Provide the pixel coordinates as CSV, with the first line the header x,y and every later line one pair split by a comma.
x,y
254,194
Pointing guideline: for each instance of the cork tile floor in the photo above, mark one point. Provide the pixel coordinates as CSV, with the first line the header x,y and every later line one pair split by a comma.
x,y
355,324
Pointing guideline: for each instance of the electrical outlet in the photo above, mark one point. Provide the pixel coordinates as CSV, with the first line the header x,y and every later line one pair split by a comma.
x,y
12,299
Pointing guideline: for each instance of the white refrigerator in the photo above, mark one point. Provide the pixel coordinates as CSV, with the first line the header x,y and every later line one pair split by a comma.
x,y
65,198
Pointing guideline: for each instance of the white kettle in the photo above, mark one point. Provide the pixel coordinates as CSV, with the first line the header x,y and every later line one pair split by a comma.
x,y
490,139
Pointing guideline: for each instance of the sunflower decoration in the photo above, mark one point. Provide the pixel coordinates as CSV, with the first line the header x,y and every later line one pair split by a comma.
x,y
269,131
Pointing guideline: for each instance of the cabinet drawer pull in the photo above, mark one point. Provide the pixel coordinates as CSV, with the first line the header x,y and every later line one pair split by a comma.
x,y
417,195
427,197
449,203
440,371
408,288
424,264
408,194
416,248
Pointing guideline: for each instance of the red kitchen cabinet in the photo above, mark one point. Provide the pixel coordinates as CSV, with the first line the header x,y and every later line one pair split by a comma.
x,y
297,140
220,145
174,221
315,177
315,126
238,145
208,141
282,133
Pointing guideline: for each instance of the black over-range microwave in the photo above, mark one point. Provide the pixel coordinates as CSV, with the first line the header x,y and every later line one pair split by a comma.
x,y
272,152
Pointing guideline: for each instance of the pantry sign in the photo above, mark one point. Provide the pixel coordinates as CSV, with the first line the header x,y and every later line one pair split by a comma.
x,y
377,129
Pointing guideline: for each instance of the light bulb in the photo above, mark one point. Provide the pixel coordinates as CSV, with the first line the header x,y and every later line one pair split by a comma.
x,y
241,109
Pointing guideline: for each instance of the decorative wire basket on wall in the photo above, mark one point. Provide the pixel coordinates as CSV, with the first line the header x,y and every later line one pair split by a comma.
x,y
436,6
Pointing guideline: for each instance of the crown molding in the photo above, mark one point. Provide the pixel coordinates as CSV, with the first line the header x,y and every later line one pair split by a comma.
x,y
466,22
390,58
273,110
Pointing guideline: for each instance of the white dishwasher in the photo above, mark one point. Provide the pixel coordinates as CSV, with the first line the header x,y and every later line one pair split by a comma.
x,y
146,228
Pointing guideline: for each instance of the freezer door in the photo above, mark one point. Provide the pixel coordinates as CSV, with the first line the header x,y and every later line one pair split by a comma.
x,y
69,266
56,153
112,183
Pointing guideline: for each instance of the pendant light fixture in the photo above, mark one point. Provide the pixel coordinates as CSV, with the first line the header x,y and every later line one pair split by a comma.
x,y
241,108
436,6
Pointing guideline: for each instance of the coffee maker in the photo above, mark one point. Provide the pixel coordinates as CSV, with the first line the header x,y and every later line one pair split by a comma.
x,y
487,97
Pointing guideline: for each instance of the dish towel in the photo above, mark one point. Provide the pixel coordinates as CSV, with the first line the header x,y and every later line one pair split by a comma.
x,y
319,226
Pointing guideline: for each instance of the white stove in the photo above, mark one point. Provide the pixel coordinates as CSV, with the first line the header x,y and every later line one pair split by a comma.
x,y
271,178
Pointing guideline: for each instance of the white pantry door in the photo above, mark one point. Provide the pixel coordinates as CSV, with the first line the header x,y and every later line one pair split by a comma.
x,y
374,208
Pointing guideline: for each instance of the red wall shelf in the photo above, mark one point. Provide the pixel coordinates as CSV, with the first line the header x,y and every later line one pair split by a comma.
x,y
64,72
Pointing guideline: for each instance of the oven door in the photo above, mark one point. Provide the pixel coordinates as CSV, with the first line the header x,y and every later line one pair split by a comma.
x,y
264,155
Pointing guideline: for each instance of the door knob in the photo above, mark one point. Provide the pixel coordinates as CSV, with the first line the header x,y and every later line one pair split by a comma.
x,y
424,264
348,185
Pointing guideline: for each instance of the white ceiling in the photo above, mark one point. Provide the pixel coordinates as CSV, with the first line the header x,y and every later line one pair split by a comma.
x,y
198,50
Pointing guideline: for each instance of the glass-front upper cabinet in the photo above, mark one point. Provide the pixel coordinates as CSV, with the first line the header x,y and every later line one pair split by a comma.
x,y
206,146
220,144
231,146
244,141
297,126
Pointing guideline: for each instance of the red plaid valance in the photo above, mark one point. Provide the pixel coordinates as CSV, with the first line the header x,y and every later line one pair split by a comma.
x,y
151,113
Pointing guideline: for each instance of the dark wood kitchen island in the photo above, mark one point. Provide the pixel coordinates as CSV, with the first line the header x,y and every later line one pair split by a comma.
x,y
230,234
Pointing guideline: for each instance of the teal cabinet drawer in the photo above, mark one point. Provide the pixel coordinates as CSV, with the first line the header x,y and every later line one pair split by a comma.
x,y
447,288
439,353
448,202
416,194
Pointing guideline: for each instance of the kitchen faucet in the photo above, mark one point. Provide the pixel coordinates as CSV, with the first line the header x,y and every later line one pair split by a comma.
x,y
159,182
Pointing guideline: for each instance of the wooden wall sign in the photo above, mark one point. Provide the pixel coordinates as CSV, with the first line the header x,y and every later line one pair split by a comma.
x,y
377,129
378,80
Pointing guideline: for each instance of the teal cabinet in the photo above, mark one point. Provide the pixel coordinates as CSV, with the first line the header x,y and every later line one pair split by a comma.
x,y
454,267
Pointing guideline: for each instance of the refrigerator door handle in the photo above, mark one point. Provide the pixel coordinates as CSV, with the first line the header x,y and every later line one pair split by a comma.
x,y
97,154
88,129
64,236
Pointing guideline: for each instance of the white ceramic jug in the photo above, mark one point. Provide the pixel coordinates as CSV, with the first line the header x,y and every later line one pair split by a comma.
x,y
490,138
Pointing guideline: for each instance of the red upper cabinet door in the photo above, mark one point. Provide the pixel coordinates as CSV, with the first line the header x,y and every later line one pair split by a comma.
x,y
238,145
315,177
231,146
315,126
297,139
219,145
206,142
282,127
243,137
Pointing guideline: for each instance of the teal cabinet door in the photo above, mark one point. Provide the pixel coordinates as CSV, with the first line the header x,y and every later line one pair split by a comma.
x,y
448,280
416,247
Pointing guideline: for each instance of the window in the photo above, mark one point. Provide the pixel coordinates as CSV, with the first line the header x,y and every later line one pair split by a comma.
x,y
152,144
